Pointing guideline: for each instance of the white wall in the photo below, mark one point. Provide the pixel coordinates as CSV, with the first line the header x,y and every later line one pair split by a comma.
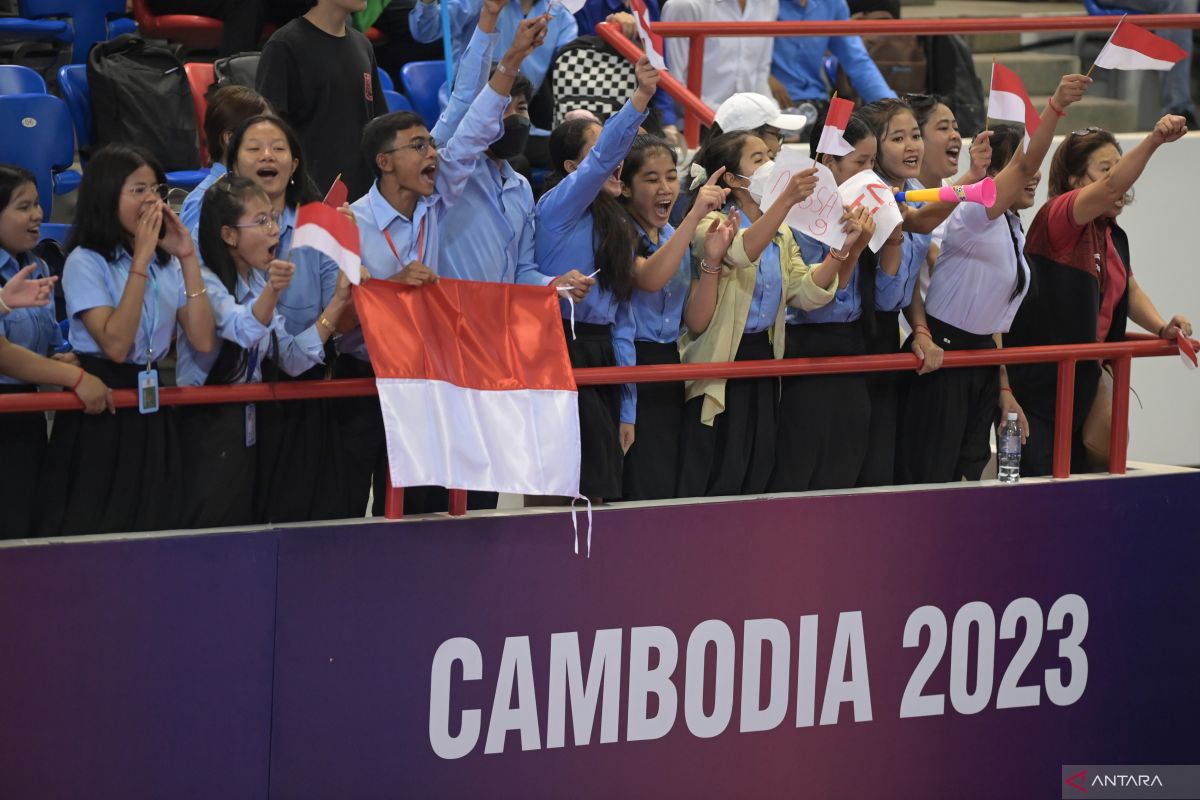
x,y
1164,228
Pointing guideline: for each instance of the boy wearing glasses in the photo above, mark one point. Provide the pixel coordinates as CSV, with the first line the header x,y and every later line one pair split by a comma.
x,y
398,223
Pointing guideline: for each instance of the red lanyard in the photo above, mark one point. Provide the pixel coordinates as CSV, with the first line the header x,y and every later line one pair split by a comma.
x,y
420,243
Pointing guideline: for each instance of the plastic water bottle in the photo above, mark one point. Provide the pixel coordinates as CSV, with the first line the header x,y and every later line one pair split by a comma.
x,y
1008,450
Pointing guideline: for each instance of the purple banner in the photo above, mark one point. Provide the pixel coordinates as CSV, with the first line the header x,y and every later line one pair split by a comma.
x,y
946,643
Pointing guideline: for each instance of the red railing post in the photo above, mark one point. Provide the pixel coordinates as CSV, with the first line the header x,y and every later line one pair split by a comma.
x,y
458,502
695,83
1118,445
393,502
1064,409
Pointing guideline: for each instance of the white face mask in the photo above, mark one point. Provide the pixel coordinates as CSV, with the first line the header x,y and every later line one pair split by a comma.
x,y
758,181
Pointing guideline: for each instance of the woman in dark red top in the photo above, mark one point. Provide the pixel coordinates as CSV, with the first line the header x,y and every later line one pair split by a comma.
x,y
1082,287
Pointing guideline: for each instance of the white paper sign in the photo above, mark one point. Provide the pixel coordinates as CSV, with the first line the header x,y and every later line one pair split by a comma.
x,y
867,189
819,216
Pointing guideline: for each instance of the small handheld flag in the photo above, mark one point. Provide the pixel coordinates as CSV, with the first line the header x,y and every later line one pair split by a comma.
x,y
328,230
1187,353
651,41
1009,101
1131,47
337,194
833,140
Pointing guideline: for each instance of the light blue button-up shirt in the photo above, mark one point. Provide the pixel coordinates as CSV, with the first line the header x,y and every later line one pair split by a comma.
x,y
425,24
650,317
846,305
189,213
91,281
496,204
768,286
481,126
797,60
35,329
236,323
565,239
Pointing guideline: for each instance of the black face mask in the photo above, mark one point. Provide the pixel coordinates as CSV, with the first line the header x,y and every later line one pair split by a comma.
x,y
512,142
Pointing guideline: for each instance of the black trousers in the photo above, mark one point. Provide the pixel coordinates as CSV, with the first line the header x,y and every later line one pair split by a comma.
x,y
823,419
879,466
601,459
218,468
24,447
734,455
652,464
946,416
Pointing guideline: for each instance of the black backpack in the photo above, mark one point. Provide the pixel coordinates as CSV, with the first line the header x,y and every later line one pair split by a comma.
x,y
587,73
236,70
140,96
952,75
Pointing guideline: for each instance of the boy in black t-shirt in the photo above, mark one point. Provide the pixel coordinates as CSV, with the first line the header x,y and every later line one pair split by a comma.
x,y
319,73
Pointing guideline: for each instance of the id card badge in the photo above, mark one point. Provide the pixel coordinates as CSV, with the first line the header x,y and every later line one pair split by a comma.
x,y
251,425
148,391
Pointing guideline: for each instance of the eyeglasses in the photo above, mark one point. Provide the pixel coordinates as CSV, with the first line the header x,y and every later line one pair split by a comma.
x,y
139,191
1086,131
264,221
421,145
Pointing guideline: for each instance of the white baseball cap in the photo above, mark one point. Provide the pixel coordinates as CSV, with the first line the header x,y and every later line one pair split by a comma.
x,y
747,111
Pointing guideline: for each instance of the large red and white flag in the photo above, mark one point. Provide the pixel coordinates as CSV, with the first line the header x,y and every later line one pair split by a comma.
x,y
651,41
1131,47
324,228
475,385
833,135
1009,101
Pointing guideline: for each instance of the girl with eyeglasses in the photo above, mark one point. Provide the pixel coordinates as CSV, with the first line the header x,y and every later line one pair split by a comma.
x,y
239,240
29,333
1083,288
297,436
978,283
131,276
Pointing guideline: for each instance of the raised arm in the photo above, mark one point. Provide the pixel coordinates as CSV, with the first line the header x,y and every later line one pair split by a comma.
x,y
1096,198
654,272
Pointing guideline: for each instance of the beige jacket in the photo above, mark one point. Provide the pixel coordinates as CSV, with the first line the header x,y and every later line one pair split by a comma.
x,y
720,340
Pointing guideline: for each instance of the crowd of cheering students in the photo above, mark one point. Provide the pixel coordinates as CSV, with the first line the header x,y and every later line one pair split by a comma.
x,y
729,282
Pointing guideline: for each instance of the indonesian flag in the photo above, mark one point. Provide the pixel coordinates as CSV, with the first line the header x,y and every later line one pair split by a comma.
x,y
652,42
833,139
475,385
338,193
1009,101
324,228
1131,47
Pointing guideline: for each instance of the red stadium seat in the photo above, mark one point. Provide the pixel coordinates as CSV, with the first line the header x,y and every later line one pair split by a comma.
x,y
200,78
202,33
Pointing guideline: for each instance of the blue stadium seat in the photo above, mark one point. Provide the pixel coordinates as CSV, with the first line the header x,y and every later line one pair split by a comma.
x,y
422,82
1099,11
18,29
72,82
396,101
55,230
36,133
16,79
91,21
385,80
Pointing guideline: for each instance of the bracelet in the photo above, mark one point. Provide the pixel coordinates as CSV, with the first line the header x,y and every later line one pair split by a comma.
x,y
705,267
322,321
4,309
1006,389
839,257
145,275
1055,108
193,295
503,70
922,329
78,380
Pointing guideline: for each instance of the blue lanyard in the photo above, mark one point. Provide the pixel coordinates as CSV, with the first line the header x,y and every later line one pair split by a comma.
x,y
252,362
153,292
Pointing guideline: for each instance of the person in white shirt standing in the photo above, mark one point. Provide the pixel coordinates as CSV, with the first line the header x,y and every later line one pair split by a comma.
x,y
731,64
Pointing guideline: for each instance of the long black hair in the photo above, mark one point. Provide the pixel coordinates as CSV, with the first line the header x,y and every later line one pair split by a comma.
x,y
725,151
644,145
97,225
613,235
300,188
224,204
877,115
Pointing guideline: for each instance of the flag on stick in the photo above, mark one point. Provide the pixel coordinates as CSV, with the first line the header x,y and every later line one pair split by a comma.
x,y
652,42
1009,101
1131,47
328,230
833,139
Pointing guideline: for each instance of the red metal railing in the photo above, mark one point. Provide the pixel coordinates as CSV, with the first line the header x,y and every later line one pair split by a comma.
x,y
1120,354
697,111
